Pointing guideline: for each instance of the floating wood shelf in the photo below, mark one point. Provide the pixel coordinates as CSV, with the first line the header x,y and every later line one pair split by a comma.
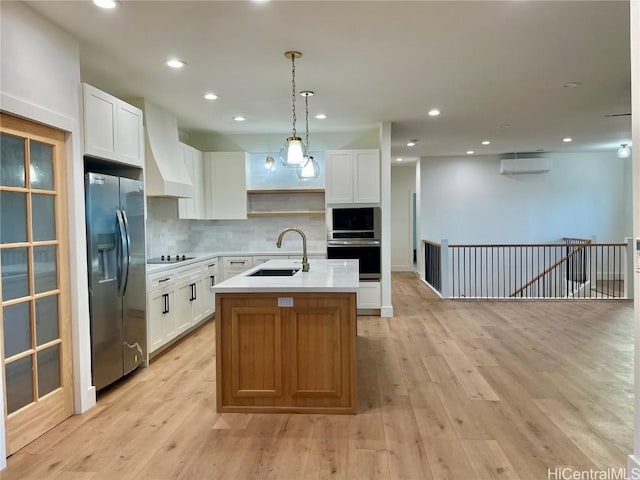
x,y
314,213
285,190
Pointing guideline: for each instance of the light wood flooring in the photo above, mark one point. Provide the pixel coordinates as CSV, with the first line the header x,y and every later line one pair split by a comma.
x,y
447,389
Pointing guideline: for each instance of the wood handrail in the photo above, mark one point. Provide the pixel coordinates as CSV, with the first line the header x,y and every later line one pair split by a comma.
x,y
551,268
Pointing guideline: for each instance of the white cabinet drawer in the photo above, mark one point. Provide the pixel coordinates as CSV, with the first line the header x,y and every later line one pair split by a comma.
x,y
160,280
369,295
232,266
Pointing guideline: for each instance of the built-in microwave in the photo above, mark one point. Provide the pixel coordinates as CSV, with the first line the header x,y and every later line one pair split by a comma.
x,y
354,223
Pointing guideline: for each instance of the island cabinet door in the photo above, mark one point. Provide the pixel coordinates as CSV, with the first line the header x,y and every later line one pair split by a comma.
x,y
319,351
250,357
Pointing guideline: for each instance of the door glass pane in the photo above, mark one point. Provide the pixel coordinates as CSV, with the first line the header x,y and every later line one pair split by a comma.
x,y
13,217
19,383
43,217
41,165
16,328
15,281
11,161
45,265
46,319
48,370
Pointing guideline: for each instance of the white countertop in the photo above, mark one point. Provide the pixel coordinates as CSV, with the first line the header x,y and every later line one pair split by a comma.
x,y
323,276
200,256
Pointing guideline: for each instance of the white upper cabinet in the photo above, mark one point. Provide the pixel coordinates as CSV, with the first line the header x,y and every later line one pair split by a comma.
x,y
193,208
130,134
226,187
353,176
112,128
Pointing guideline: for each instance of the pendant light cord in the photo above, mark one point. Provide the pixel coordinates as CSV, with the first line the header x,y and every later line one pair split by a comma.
x,y
306,123
293,93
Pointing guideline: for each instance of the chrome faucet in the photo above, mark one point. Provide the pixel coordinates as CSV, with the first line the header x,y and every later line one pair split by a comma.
x,y
305,259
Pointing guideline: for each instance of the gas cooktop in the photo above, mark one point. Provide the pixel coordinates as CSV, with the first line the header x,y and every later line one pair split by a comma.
x,y
169,259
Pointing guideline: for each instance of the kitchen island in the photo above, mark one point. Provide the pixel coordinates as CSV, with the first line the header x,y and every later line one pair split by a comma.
x,y
286,343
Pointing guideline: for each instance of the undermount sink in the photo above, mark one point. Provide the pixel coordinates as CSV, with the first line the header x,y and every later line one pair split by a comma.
x,y
275,272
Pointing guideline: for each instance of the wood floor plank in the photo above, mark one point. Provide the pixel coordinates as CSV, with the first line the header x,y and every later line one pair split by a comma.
x,y
488,460
368,465
466,390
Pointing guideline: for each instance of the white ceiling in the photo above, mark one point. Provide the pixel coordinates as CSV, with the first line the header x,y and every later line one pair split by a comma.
x,y
483,64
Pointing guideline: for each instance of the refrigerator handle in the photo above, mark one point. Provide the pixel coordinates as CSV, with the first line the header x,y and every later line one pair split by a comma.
x,y
122,250
127,257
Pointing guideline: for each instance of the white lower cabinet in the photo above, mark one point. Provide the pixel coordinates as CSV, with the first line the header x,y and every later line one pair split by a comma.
x,y
232,266
210,280
369,295
177,301
161,324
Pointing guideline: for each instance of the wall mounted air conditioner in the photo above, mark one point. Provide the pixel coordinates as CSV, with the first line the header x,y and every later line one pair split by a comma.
x,y
515,166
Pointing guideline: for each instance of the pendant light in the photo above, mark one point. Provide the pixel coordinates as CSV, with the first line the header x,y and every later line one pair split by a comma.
x,y
624,151
269,164
293,151
311,169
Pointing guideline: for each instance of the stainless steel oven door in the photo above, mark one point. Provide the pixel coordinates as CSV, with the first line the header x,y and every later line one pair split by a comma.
x,y
367,252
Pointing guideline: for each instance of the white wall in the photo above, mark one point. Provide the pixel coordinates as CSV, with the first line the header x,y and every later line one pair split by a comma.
x,y
634,459
403,186
466,200
40,80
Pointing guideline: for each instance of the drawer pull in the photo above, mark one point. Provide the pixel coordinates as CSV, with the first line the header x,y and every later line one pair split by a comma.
x,y
238,261
212,265
164,280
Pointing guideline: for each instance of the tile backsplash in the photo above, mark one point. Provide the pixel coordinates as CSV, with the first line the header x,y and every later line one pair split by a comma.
x,y
168,234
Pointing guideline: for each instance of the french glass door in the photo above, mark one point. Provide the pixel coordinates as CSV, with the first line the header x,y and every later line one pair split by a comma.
x,y
34,288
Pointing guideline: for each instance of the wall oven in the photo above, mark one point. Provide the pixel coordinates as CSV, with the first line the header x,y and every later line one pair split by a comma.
x,y
354,233
354,223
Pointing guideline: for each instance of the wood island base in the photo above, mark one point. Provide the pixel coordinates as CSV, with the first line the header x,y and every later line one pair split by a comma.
x,y
297,357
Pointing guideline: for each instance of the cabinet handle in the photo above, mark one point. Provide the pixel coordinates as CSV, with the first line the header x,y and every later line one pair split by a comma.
x,y
212,265
238,261
193,292
165,303
213,280
164,280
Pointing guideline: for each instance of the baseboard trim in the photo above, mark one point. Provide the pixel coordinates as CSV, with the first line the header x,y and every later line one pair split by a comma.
x,y
387,311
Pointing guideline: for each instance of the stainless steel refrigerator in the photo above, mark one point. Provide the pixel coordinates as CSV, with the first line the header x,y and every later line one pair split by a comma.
x,y
116,259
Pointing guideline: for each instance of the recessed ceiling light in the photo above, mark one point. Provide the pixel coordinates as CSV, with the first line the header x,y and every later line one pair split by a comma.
x,y
399,159
469,152
321,116
239,118
567,139
412,143
434,112
106,4
486,142
572,84
176,63
210,96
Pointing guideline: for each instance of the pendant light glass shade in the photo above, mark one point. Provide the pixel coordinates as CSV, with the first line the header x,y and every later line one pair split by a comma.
x,y
310,171
269,164
293,153
624,151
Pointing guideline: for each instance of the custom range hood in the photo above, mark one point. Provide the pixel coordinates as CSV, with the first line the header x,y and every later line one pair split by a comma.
x,y
166,175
